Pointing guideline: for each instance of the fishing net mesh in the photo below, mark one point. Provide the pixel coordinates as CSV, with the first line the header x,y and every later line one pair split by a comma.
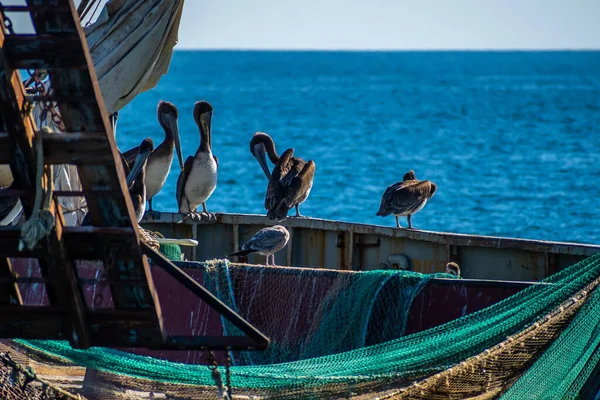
x,y
171,251
310,313
542,342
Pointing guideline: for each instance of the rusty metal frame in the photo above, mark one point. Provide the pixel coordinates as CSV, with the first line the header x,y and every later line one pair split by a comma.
x,y
254,340
60,46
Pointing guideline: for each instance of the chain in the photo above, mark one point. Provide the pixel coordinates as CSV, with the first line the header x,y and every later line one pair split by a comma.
x,y
7,22
228,373
48,106
109,264
224,392
100,286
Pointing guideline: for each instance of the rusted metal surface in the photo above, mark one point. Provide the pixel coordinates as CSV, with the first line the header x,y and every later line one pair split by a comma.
x,y
444,300
184,314
340,245
59,42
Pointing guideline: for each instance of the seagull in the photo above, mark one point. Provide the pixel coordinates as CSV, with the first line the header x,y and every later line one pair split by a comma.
x,y
267,242
406,198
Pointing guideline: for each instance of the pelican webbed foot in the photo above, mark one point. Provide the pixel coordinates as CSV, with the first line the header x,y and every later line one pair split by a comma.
x,y
194,216
209,216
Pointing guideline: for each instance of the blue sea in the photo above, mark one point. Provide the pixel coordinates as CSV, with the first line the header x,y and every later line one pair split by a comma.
x,y
512,139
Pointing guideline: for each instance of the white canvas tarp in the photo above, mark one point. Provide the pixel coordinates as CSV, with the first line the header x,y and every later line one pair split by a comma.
x,y
131,44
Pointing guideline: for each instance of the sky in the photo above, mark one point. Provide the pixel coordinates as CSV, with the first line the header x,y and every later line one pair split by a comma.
x,y
390,24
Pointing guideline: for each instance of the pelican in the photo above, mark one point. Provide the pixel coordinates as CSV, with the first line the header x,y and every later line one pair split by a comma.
x,y
406,198
159,162
136,178
267,242
198,178
291,180
452,268
10,207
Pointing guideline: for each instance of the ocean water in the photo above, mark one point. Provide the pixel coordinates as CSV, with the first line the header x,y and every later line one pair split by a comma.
x,y
512,139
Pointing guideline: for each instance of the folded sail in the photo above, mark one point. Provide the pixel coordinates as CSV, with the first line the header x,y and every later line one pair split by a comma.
x,y
131,44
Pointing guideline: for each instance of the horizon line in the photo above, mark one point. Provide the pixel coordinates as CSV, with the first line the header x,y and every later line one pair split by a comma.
x,y
499,50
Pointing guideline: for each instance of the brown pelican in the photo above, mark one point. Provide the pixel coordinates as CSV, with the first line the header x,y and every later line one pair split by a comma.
x,y
10,207
136,180
452,268
159,162
267,242
198,178
291,180
406,198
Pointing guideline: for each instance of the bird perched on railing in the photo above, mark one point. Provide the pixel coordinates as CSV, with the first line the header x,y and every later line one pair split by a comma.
x,y
452,268
406,198
267,242
289,183
198,179
159,162
136,180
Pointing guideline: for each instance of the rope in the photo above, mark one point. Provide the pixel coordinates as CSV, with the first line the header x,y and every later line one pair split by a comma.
x,y
41,221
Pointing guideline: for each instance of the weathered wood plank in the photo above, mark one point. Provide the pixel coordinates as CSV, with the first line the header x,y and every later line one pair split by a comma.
x,y
108,327
43,51
9,292
82,243
76,148
55,265
92,117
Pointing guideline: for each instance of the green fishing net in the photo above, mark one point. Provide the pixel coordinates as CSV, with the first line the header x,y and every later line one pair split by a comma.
x,y
357,363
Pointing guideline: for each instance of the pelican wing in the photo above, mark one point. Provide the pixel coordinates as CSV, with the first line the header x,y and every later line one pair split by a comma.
x,y
137,200
409,196
130,155
300,184
183,177
126,166
280,170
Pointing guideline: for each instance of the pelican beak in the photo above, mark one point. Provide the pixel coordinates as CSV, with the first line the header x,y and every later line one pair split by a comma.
x,y
259,153
205,121
140,162
171,121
